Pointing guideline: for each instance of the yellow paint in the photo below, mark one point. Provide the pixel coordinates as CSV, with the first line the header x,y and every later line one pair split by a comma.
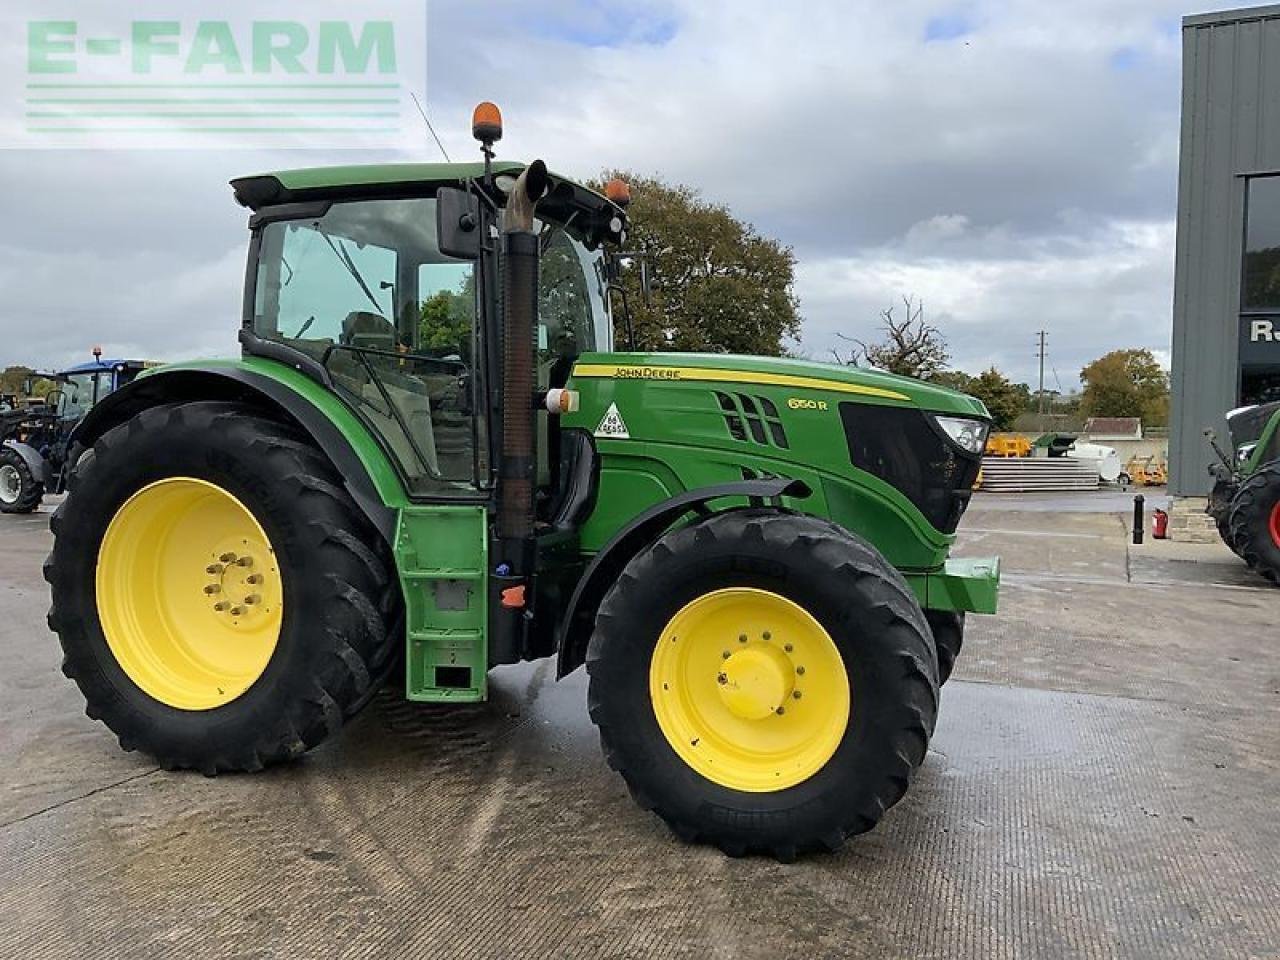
x,y
616,372
749,689
189,593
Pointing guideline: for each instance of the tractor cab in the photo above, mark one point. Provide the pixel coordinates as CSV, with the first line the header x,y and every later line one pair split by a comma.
x,y
350,280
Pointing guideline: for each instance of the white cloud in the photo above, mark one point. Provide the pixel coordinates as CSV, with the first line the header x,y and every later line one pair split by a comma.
x,y
1012,175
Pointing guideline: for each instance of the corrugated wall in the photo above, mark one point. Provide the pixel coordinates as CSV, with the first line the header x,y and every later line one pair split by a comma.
x,y
1230,128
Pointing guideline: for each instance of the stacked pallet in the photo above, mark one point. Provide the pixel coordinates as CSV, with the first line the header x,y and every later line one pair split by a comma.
x,y
1037,474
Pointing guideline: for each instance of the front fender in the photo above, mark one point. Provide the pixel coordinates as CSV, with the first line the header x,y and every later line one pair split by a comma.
x,y
37,464
575,628
281,391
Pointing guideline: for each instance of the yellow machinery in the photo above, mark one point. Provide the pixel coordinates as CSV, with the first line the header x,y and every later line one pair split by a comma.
x,y
1008,445
1146,472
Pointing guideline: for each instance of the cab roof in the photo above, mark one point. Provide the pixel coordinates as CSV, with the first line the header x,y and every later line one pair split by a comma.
x,y
316,183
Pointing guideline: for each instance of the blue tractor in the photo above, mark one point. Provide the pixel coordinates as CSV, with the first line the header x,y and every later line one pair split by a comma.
x,y
35,439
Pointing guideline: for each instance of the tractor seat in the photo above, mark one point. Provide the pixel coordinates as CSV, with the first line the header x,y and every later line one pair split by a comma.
x,y
369,330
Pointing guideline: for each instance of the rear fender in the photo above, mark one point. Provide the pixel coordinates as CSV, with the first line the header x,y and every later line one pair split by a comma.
x,y
241,383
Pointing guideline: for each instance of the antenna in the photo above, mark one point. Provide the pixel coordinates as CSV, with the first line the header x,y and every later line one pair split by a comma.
x,y
430,127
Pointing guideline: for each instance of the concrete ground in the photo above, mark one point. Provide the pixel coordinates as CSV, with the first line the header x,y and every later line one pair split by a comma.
x,y
1103,782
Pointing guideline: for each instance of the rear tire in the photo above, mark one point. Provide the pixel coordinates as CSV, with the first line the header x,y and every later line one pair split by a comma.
x,y
859,603
20,491
333,647
1255,521
948,638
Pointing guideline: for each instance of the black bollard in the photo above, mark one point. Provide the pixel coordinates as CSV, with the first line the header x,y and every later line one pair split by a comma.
x,y
1139,522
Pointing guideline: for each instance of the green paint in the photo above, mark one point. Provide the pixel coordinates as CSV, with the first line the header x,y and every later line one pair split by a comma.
x,y
678,441
964,584
366,448
1266,450
442,559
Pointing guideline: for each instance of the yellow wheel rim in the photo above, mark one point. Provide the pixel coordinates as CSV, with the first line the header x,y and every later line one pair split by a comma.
x,y
189,593
749,689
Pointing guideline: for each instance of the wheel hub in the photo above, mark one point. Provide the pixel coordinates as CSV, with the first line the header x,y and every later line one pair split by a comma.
x,y
189,593
756,682
749,689
10,484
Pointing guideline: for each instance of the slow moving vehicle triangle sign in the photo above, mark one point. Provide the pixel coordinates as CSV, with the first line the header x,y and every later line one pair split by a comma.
x,y
612,425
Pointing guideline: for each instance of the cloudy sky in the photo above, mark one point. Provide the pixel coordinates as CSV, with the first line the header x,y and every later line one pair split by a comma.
x,y
1011,163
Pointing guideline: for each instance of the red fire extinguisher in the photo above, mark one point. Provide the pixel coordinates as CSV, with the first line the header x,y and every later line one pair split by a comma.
x,y
1160,525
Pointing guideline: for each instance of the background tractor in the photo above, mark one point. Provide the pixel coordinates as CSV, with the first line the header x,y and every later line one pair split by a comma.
x,y
429,459
1245,501
35,439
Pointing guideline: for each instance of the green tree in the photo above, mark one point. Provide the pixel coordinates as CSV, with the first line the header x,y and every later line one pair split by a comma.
x,y
717,285
1004,399
1126,383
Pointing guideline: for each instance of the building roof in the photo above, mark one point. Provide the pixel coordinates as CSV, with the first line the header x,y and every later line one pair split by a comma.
x,y
1127,428
1232,16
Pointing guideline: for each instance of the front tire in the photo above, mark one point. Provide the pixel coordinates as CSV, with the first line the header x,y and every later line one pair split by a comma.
x,y
20,491
805,697
1255,521
221,602
948,639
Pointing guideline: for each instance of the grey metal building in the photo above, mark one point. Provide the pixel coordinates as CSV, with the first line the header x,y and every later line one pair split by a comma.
x,y
1226,301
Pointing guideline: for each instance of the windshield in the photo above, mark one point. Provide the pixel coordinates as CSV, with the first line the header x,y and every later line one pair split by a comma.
x,y
78,393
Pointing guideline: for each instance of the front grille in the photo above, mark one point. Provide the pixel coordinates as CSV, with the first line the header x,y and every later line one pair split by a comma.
x,y
753,419
905,449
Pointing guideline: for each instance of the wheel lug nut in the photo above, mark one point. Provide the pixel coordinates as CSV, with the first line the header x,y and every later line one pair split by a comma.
x,y
787,647
780,711
214,568
742,638
237,611
221,605
800,671
212,589
254,578
245,562
795,694
721,678
767,635
252,599
725,655
228,558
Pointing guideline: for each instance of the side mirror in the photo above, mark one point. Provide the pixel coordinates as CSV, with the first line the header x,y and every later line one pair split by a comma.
x,y
458,223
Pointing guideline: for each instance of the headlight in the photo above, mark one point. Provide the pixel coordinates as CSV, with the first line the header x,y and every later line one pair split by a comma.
x,y
970,435
1245,452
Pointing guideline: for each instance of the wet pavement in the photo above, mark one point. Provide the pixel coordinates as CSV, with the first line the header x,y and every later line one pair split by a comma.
x,y
1103,782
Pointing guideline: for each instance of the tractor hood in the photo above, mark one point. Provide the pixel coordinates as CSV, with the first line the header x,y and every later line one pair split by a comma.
x,y
804,375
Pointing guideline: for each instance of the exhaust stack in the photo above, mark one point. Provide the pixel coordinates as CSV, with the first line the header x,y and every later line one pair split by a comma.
x,y
517,467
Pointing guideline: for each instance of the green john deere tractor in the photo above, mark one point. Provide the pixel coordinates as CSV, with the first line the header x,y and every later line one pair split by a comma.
x,y
1245,500
429,459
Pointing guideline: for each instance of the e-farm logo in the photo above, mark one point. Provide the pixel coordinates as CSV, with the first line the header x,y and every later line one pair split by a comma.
x,y
203,73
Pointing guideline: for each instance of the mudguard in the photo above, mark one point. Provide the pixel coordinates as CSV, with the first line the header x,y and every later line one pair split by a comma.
x,y
37,464
240,384
575,629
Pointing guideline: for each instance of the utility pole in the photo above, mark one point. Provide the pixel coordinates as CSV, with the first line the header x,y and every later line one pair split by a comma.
x,y
1041,337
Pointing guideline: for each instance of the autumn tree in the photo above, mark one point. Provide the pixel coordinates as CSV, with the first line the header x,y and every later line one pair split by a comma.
x,y
909,346
717,285
1126,383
